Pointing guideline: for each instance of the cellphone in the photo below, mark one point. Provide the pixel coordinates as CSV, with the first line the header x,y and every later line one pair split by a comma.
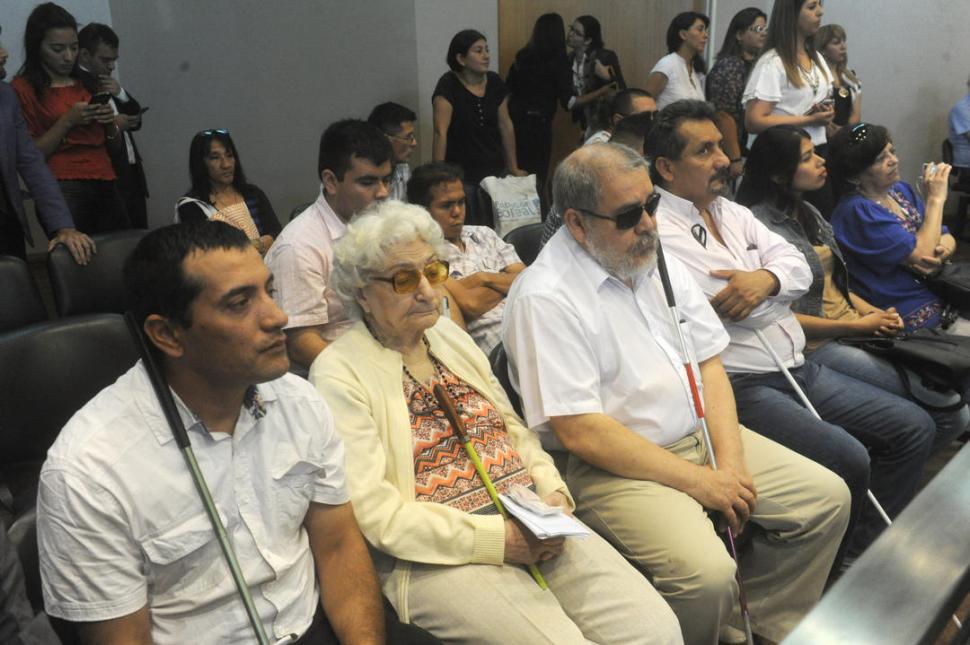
x,y
931,167
100,98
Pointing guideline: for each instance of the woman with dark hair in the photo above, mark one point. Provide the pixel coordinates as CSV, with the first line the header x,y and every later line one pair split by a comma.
x,y
888,234
596,70
790,84
847,90
538,78
680,74
782,166
220,192
743,42
69,121
472,126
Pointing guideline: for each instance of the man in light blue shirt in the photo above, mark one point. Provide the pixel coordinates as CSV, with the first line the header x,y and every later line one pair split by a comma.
x,y
960,131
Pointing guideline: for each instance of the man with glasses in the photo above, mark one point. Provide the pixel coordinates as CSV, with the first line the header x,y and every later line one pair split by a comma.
x,y
751,276
597,362
355,168
397,123
483,266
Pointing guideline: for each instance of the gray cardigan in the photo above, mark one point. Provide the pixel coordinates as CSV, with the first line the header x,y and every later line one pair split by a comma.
x,y
779,221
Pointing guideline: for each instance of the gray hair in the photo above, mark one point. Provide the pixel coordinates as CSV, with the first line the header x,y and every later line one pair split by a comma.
x,y
580,176
363,250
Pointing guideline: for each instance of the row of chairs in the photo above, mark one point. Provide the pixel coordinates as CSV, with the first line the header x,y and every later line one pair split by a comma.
x,y
94,288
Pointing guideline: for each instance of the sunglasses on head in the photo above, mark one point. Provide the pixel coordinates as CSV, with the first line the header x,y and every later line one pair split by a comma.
x,y
407,280
630,217
858,133
209,133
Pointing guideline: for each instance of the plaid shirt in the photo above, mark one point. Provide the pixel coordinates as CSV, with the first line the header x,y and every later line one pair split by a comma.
x,y
484,251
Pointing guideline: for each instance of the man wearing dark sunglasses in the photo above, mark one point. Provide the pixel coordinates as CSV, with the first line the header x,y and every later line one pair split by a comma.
x,y
355,169
751,276
596,359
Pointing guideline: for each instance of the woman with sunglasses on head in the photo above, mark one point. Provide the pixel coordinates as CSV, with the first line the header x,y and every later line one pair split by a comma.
x,y
219,191
846,89
782,166
595,70
680,74
888,234
743,42
440,547
71,123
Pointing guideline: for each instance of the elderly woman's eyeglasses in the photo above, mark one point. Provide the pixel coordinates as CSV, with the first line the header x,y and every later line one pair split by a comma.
x,y
858,134
630,217
209,133
407,280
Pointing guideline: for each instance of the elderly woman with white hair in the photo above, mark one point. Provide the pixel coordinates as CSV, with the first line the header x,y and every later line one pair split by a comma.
x,y
447,560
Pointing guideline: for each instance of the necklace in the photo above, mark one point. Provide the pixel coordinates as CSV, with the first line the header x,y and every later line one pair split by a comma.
x,y
437,377
811,76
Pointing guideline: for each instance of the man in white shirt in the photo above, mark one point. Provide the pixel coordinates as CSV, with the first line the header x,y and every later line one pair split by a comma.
x,y
355,168
751,275
595,358
397,123
482,266
126,549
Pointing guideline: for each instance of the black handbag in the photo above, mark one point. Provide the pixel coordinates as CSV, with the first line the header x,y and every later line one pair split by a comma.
x,y
952,284
933,365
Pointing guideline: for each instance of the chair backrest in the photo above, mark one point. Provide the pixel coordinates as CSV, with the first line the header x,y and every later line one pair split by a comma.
x,y
21,304
527,241
299,209
53,369
97,287
499,361
947,152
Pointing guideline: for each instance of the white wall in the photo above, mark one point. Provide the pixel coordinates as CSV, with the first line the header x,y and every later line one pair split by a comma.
x,y
913,59
436,22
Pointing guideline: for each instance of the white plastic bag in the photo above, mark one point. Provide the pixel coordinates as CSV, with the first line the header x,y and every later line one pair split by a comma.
x,y
515,202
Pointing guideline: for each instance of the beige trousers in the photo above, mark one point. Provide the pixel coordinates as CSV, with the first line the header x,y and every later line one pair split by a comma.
x,y
801,514
594,596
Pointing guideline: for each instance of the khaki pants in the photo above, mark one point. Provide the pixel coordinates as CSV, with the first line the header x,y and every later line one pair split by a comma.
x,y
594,596
801,514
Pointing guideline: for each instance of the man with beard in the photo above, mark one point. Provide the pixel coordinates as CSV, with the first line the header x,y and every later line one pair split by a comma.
x,y
596,360
751,276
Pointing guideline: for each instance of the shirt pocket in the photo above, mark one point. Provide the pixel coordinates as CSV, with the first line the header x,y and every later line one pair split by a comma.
x,y
185,557
293,481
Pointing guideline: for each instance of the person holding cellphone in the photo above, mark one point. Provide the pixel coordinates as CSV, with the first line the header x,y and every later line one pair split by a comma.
x,y
792,84
70,124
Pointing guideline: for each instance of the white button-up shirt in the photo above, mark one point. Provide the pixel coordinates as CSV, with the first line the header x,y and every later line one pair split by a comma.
x,y
580,341
120,524
748,246
301,260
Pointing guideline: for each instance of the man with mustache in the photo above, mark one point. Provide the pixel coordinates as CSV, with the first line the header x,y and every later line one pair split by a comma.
x,y
751,275
596,359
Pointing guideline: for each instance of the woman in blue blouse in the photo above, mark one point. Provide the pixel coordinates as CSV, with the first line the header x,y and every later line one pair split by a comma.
x,y
782,166
889,236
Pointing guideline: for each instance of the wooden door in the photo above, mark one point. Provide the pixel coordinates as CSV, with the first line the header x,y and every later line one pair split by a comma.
x,y
635,29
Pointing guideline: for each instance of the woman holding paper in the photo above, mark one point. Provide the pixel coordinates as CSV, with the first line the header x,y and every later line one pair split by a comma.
x,y
440,544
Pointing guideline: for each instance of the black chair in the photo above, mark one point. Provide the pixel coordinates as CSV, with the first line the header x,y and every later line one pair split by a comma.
x,y
961,186
527,241
21,304
299,209
499,361
51,370
97,287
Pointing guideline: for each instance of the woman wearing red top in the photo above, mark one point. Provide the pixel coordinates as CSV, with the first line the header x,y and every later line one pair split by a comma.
x,y
68,123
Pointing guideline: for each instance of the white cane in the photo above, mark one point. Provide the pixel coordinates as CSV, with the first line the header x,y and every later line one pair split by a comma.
x,y
808,404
